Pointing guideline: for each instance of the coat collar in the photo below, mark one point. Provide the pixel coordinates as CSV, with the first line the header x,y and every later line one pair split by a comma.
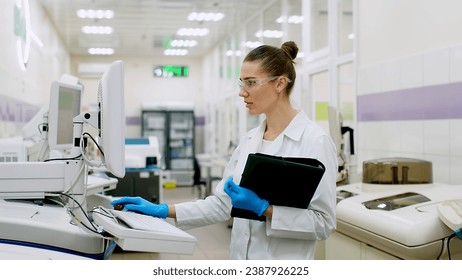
x,y
293,131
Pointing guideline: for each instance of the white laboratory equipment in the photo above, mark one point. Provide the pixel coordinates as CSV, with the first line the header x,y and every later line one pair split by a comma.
x,y
142,233
346,161
393,214
142,152
47,206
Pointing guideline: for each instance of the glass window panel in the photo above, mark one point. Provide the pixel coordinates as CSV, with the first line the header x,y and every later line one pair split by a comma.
x,y
347,101
319,24
252,41
238,57
229,58
345,28
294,25
321,97
346,91
272,28
221,67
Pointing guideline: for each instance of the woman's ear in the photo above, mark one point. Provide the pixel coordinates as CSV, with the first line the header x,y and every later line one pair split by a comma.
x,y
281,84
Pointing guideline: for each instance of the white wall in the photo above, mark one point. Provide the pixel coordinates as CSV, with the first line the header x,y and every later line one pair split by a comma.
x,y
22,92
142,88
411,44
390,29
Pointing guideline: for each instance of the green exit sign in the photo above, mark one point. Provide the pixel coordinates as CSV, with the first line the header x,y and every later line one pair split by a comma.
x,y
170,71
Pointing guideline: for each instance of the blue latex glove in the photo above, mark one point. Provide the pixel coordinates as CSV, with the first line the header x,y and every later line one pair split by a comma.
x,y
141,205
244,198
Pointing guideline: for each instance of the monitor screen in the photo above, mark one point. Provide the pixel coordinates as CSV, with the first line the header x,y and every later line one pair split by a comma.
x,y
65,102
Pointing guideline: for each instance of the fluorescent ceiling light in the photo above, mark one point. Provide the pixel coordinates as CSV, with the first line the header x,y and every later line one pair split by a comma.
x,y
97,29
233,53
183,43
95,14
291,19
205,16
192,31
269,34
101,51
252,44
180,52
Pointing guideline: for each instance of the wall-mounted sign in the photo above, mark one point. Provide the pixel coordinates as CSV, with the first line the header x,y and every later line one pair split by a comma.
x,y
170,71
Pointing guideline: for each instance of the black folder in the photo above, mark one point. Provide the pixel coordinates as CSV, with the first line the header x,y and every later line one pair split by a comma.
x,y
283,181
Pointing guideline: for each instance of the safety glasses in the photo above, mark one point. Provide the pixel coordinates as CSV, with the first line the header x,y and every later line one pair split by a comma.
x,y
251,83
248,84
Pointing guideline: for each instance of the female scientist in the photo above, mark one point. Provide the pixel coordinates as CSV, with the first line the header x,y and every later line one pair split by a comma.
x,y
266,81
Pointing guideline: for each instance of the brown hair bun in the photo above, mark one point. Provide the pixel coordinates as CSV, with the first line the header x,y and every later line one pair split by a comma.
x,y
290,49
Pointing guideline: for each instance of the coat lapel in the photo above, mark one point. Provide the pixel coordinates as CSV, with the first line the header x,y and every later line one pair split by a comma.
x,y
254,138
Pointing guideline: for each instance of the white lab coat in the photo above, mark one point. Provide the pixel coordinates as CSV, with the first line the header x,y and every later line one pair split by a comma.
x,y
292,232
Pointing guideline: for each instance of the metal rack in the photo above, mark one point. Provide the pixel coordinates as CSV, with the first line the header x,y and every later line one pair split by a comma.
x,y
174,129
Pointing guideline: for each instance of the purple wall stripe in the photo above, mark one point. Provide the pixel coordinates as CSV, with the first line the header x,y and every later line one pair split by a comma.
x,y
424,103
12,110
200,120
133,120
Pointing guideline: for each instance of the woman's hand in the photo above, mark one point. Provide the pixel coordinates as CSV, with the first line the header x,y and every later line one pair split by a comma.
x,y
141,205
244,198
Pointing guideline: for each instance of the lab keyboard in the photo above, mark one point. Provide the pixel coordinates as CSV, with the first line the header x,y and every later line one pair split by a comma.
x,y
142,233
143,222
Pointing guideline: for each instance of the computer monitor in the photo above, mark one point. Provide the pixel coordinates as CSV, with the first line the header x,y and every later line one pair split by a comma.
x,y
111,115
65,103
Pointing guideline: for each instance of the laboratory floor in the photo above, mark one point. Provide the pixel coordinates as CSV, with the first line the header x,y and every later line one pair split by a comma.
x,y
212,241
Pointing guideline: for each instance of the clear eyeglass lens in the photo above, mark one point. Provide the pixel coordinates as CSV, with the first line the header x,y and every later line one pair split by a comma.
x,y
240,83
250,83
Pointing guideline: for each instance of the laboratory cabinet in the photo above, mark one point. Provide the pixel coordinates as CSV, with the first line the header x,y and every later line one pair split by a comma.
x,y
143,182
174,130
342,247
